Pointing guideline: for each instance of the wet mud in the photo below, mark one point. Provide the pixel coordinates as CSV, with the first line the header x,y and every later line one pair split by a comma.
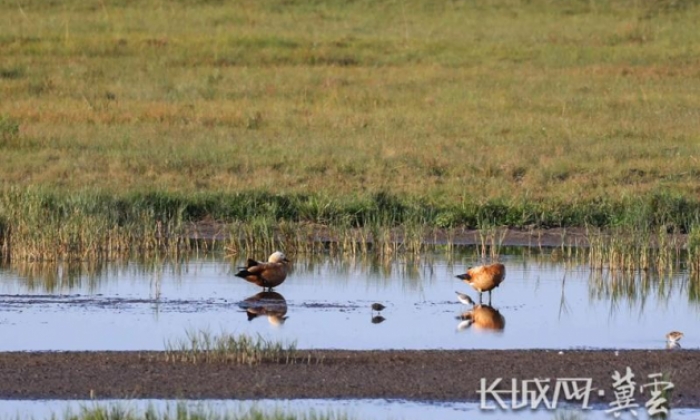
x,y
416,375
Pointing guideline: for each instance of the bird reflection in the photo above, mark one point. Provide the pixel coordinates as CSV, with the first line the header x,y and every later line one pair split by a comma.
x,y
673,345
377,319
672,340
482,317
270,304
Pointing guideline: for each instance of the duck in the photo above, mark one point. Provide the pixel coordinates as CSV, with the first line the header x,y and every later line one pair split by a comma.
x,y
266,274
484,278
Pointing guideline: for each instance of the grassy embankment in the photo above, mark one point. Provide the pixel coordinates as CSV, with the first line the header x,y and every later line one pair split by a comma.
x,y
122,120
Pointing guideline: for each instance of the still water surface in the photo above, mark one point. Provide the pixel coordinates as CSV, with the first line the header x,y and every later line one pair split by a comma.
x,y
541,304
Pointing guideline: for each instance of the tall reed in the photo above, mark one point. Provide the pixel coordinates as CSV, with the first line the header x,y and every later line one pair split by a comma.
x,y
631,250
41,225
37,225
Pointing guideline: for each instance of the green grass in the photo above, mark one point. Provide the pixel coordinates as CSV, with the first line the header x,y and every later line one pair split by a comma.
x,y
204,347
184,412
119,115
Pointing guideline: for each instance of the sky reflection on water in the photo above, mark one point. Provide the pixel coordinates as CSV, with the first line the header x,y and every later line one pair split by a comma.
x,y
542,303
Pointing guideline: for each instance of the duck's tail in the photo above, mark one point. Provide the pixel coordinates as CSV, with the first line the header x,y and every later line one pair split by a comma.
x,y
249,263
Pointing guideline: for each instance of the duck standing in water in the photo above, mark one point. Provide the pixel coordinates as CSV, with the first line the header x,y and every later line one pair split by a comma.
x,y
266,274
484,278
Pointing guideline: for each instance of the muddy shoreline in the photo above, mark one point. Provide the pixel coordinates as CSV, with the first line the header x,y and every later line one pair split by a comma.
x,y
432,375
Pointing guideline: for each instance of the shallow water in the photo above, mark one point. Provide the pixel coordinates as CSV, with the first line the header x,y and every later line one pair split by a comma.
x,y
353,409
543,304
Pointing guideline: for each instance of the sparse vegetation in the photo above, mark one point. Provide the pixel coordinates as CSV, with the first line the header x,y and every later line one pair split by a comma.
x,y
204,347
182,411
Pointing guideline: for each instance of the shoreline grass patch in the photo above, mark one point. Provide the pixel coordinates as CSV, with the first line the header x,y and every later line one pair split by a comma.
x,y
38,224
189,411
202,346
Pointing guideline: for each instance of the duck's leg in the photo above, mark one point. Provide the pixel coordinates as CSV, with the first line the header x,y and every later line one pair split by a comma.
x,y
480,293
489,298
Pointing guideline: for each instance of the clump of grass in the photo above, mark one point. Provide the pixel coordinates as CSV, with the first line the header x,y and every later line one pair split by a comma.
x,y
693,255
39,225
9,129
631,250
183,411
491,240
204,347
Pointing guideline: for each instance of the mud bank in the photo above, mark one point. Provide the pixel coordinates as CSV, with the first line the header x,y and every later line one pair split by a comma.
x,y
415,375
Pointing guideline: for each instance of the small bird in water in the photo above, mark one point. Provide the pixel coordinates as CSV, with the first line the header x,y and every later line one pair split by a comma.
x,y
673,338
484,278
378,307
378,319
465,299
266,274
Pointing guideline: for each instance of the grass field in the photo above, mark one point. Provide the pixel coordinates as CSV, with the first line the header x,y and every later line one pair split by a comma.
x,y
454,113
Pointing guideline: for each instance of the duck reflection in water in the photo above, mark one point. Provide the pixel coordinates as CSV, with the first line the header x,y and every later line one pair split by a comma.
x,y
482,317
270,304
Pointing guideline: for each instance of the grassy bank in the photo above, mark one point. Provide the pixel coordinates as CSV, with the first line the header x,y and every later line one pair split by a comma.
x,y
122,118
39,224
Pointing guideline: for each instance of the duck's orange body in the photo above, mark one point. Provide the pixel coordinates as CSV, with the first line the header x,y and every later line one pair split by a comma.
x,y
484,278
266,274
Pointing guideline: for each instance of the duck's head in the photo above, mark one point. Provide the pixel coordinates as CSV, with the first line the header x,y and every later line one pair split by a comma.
x,y
277,257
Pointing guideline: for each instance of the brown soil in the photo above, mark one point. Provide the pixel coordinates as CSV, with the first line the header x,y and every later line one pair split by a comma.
x,y
417,375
